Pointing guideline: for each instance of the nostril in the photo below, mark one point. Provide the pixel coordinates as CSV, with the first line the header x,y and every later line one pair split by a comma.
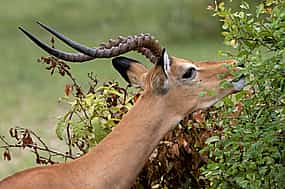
x,y
241,65
241,76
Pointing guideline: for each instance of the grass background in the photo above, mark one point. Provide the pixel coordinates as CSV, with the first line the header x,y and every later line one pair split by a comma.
x,y
29,95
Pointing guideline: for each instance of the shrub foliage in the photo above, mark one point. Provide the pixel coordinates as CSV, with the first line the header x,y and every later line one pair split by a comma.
x,y
250,153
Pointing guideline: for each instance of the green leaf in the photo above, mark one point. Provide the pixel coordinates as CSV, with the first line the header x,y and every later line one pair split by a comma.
x,y
202,94
211,93
244,5
212,139
60,129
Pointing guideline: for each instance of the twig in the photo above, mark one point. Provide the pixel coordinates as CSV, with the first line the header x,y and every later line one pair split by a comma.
x,y
68,134
85,114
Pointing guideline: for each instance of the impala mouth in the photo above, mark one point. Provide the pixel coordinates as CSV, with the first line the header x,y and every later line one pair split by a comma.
x,y
239,83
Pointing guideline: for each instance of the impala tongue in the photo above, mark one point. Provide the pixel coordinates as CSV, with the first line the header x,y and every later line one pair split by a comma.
x,y
239,83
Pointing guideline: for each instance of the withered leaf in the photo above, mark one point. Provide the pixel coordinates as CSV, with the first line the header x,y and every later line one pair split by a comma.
x,y
198,117
7,155
175,150
136,97
186,146
68,89
27,139
14,133
52,41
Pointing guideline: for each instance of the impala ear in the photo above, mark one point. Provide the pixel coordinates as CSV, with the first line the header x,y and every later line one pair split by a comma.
x,y
131,70
160,80
164,63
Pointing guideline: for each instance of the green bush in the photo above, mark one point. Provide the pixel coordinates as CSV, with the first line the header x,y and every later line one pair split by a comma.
x,y
250,152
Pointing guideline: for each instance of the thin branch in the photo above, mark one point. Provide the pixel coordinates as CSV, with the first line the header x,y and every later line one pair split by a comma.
x,y
3,140
68,134
32,146
85,114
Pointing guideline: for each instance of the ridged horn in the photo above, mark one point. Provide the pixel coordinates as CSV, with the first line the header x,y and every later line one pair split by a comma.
x,y
143,43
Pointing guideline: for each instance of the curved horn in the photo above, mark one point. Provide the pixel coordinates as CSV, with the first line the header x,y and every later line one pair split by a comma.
x,y
72,57
143,43
113,48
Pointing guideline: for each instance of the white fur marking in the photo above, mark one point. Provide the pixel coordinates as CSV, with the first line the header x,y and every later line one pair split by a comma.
x,y
166,63
189,65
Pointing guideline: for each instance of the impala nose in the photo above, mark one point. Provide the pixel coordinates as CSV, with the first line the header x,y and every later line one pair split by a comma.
x,y
239,83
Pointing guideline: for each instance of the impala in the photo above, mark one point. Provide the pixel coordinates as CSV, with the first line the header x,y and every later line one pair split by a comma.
x,y
170,91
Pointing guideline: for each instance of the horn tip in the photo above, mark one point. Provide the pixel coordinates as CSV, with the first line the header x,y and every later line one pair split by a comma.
x,y
22,29
39,23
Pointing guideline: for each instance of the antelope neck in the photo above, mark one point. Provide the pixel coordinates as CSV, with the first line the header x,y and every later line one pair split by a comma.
x,y
117,160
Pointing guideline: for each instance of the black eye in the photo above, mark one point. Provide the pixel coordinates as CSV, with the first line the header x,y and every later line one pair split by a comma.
x,y
189,74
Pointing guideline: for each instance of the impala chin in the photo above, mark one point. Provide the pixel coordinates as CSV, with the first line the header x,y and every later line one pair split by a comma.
x,y
210,103
237,85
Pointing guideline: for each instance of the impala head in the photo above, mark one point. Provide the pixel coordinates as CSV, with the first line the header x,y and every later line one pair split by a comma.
x,y
177,83
182,84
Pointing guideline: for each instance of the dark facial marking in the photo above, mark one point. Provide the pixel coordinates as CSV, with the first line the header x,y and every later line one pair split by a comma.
x,y
122,64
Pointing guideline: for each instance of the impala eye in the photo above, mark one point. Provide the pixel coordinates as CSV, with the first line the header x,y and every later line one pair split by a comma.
x,y
189,74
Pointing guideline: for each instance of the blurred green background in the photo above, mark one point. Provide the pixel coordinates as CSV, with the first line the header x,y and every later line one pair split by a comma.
x,y
29,95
